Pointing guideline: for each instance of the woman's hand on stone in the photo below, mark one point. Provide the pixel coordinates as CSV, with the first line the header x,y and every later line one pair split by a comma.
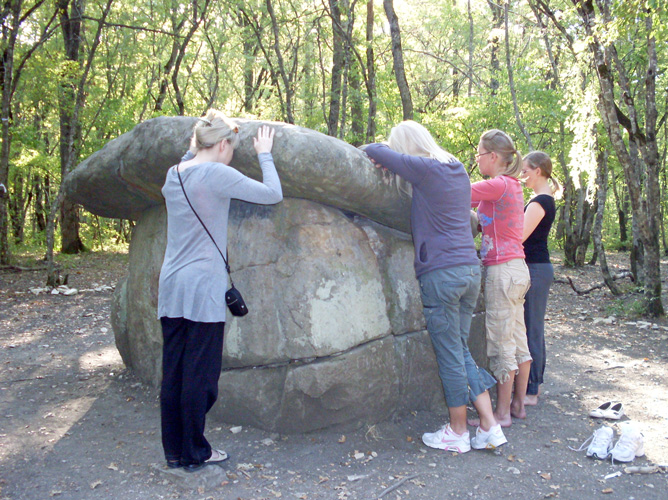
x,y
378,165
264,140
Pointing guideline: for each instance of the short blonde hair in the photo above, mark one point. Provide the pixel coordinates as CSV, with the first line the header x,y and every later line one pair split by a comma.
x,y
500,143
214,128
538,159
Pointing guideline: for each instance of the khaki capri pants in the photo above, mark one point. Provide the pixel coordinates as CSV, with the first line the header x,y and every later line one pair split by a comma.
x,y
505,287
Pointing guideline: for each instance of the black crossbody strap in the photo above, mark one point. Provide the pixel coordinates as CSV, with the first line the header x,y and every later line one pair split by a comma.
x,y
227,266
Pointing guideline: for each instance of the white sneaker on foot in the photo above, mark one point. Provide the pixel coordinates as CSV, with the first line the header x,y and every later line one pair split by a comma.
x,y
629,446
488,440
447,439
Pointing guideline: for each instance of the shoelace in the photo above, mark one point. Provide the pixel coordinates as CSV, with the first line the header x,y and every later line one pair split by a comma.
x,y
598,438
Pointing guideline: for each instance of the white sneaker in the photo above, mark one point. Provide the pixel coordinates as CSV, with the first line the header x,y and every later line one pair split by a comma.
x,y
601,443
488,440
447,439
629,446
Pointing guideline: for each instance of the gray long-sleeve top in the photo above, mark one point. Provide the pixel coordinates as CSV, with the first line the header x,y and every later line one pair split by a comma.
x,y
440,209
193,279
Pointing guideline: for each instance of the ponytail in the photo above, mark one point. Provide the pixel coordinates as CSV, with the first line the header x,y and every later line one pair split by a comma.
x,y
500,143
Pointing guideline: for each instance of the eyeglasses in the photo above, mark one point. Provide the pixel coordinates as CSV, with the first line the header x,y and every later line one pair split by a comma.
x,y
478,155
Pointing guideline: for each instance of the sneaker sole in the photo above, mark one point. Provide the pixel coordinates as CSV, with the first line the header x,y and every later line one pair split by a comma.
x,y
446,447
596,455
489,446
637,454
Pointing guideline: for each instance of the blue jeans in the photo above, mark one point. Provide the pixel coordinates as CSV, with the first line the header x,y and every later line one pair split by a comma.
x,y
535,303
449,297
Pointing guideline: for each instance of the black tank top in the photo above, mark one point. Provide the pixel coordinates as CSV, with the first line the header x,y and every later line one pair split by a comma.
x,y
535,246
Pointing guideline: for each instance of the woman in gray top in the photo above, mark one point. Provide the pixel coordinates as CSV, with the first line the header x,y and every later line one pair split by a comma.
x,y
193,280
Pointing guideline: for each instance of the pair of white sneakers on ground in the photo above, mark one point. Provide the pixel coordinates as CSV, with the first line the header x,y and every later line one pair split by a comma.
x,y
629,445
447,439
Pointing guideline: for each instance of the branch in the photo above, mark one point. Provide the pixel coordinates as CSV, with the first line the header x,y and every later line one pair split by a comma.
x,y
397,484
46,34
624,274
29,12
139,28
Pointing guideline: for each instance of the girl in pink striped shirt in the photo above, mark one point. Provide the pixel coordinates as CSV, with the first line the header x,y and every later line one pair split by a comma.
x,y
500,205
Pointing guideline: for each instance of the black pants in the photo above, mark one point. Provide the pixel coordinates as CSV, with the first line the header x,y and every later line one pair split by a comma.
x,y
191,362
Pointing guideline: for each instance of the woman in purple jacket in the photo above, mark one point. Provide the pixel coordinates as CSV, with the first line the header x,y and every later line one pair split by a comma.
x,y
448,269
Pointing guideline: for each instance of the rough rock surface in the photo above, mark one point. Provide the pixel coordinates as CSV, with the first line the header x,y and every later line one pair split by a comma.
x,y
124,178
335,333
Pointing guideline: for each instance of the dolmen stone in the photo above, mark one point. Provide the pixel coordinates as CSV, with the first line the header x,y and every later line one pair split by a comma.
x,y
124,178
335,335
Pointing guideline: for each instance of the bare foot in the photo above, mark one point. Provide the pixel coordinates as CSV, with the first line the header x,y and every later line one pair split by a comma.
x,y
518,413
473,422
517,410
505,420
531,400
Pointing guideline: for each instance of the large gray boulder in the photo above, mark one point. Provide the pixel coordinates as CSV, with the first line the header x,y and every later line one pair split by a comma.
x,y
335,333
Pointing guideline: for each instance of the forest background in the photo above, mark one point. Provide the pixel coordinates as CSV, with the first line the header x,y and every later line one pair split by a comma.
x,y
584,81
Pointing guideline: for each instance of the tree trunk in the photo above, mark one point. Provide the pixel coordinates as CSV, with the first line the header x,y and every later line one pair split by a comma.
x,y
644,196
511,81
9,36
289,91
578,220
494,42
197,18
621,205
41,201
72,98
652,182
18,206
70,127
337,69
52,275
398,58
356,110
348,42
370,75
249,52
602,183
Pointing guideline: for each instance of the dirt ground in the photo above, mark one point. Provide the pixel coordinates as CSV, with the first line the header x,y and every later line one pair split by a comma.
x,y
76,424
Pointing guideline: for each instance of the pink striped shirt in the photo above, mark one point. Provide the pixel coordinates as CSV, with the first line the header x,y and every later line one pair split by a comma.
x,y
500,203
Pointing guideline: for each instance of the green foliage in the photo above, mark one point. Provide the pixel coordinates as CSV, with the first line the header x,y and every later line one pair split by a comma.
x,y
231,64
626,308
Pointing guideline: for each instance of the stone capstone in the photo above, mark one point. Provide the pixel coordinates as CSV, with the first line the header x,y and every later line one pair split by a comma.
x,y
125,177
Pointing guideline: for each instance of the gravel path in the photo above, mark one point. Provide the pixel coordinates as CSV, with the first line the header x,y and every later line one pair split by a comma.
x,y
76,424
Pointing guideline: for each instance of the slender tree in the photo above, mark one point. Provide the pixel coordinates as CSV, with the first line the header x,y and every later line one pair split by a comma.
x,y
13,16
641,170
398,58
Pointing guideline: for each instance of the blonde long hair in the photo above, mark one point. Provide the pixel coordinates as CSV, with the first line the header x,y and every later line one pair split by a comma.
x,y
500,143
214,128
538,159
411,138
